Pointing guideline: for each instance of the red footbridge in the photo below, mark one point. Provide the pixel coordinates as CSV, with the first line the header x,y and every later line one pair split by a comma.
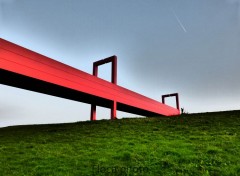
x,y
26,69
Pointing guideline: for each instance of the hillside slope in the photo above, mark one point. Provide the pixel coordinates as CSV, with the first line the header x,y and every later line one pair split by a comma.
x,y
191,144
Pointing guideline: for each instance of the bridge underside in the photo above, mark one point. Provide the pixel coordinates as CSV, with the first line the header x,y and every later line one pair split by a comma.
x,y
28,83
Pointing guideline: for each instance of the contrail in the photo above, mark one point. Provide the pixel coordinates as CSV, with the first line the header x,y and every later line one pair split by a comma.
x,y
179,22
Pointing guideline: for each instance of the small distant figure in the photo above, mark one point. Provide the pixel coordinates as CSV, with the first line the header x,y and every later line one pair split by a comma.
x,y
182,111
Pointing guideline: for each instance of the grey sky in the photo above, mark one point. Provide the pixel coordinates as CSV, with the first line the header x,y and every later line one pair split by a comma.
x,y
155,55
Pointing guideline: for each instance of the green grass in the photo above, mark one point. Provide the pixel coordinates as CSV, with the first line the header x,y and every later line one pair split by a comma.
x,y
191,144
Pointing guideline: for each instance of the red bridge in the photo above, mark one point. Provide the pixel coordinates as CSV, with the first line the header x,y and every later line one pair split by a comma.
x,y
22,68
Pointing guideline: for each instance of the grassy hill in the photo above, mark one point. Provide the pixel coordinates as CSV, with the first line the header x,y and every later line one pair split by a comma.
x,y
191,144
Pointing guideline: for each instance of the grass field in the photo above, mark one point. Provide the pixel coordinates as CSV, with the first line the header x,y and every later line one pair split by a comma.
x,y
191,144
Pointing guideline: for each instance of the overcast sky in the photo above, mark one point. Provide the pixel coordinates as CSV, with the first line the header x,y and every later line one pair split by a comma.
x,y
163,46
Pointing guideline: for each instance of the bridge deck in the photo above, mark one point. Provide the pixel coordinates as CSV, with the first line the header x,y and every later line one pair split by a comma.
x,y
22,68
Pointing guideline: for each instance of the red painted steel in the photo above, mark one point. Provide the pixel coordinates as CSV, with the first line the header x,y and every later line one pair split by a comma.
x,y
113,60
172,95
22,68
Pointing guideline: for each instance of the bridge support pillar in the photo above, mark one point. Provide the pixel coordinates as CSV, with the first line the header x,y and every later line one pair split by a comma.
x,y
113,60
114,110
93,112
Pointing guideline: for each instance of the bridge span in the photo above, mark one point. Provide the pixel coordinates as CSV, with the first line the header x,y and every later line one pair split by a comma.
x,y
26,69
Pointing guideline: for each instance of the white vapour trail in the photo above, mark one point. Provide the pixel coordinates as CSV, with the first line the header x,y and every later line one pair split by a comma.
x,y
179,21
